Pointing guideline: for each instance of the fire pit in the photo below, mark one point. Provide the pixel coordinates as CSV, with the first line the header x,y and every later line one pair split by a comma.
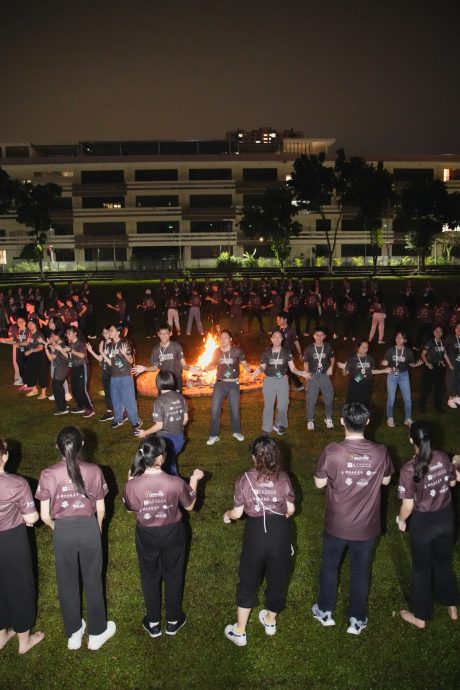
x,y
198,384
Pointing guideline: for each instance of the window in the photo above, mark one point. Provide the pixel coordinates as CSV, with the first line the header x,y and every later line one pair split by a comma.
x,y
103,202
323,225
349,250
206,252
2,257
262,249
451,174
207,226
64,254
252,199
260,174
62,203
320,250
17,151
157,227
101,229
351,224
105,254
156,175
413,174
63,229
157,201
210,200
210,174
102,176
159,253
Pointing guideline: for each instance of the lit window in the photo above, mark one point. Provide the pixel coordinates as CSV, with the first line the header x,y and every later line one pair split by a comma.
x,y
67,173
446,175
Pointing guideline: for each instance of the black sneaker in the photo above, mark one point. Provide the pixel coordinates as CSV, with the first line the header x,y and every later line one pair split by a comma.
x,y
88,414
59,412
78,410
107,417
153,629
136,427
115,424
173,627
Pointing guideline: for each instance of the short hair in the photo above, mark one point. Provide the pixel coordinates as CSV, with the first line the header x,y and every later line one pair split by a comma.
x,y
164,327
319,329
283,315
229,333
355,416
166,381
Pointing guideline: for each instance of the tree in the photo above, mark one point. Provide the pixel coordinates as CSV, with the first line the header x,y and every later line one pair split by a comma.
x,y
449,237
316,186
421,214
371,189
34,204
8,192
273,219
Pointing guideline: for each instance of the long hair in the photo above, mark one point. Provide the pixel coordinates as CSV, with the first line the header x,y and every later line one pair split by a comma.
x,y
420,434
267,457
70,442
150,448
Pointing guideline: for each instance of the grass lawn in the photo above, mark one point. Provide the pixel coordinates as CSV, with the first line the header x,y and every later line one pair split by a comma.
x,y
389,654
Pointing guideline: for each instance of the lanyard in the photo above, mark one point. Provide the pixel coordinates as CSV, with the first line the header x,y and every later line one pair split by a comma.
x,y
260,504
361,364
277,361
227,362
162,353
319,366
399,358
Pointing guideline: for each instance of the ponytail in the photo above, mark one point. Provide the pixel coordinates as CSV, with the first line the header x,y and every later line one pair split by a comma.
x,y
420,434
70,442
150,449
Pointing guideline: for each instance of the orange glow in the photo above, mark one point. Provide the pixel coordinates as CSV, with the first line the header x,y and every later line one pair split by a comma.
x,y
206,356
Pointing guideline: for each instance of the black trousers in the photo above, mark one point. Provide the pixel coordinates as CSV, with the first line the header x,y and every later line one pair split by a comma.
x,y
265,553
36,370
161,555
431,541
79,382
150,322
330,322
21,362
359,392
17,588
432,379
453,380
59,394
255,314
77,540
106,376
311,317
350,324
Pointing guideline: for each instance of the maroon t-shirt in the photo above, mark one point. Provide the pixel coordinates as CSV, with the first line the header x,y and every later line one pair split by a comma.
x,y
432,492
15,501
155,498
256,494
65,501
354,469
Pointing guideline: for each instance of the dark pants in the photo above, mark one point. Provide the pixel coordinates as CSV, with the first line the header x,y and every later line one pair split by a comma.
x,y
174,445
294,318
311,317
266,554
79,382
453,380
432,379
78,540
222,390
17,588
425,332
150,322
431,541
361,554
161,554
21,362
294,379
350,324
359,392
59,394
255,314
106,386
36,370
330,322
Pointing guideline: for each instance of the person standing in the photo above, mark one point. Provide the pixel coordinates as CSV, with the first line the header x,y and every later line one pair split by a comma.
x,y
194,312
168,355
121,308
120,358
77,361
148,307
173,304
227,360
360,367
377,309
104,349
17,591
312,304
453,375
435,358
275,362
155,498
170,416
291,343
425,317
18,337
424,488
265,494
319,366
71,495
353,472
398,359
59,371
255,310
235,302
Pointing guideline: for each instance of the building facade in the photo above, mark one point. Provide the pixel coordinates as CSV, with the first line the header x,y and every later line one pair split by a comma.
x,y
167,204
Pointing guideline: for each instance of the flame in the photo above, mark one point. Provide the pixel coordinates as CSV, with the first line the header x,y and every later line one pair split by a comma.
x,y
206,356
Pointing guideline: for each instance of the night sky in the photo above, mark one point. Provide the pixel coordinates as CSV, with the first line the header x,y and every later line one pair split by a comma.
x,y
380,77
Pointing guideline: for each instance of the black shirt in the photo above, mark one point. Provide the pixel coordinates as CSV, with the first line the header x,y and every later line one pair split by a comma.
x,y
318,357
276,363
435,352
360,366
228,363
399,358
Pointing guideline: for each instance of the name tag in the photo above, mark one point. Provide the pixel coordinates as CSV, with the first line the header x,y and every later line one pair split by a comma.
x,y
279,374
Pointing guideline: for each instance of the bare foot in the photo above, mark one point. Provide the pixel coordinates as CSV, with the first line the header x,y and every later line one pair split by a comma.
x,y
30,641
6,635
410,618
453,614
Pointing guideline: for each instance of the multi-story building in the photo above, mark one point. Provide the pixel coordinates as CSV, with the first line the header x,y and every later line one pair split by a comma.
x,y
162,204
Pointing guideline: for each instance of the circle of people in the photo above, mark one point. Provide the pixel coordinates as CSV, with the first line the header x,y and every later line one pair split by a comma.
x,y
72,492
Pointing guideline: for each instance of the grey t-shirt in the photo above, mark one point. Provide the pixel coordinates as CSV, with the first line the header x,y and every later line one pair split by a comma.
x,y
168,357
170,408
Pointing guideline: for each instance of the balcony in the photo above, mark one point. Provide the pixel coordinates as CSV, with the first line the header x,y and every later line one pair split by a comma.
x,y
99,189
210,214
133,212
189,185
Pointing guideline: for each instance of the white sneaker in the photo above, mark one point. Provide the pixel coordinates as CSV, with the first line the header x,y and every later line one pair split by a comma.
x,y
408,422
74,641
212,440
68,397
451,403
237,638
50,397
456,399
270,628
355,626
239,437
390,422
96,641
310,426
329,423
324,617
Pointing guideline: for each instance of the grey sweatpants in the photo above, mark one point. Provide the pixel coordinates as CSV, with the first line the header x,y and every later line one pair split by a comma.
x,y
315,385
275,390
